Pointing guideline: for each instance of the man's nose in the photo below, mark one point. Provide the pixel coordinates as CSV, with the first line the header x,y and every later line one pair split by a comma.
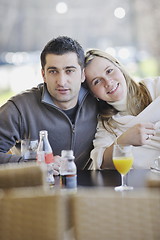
x,y
61,79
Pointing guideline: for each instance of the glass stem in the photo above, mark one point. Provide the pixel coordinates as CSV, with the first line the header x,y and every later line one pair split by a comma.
x,y
123,180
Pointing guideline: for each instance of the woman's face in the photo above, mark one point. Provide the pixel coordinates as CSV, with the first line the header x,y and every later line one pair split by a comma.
x,y
105,80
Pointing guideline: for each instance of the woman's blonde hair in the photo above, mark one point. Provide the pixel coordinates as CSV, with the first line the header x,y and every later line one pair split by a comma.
x,y
138,96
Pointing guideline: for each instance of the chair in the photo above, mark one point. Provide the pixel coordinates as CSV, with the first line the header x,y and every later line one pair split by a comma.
x,y
108,215
28,209
32,214
21,175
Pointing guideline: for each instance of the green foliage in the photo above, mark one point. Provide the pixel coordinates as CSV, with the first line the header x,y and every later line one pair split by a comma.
x,y
4,96
149,68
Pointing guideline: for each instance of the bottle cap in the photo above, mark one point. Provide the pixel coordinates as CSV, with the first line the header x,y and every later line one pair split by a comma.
x,y
43,132
67,153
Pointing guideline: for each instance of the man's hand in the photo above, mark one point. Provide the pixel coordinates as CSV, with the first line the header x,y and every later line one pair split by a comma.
x,y
57,164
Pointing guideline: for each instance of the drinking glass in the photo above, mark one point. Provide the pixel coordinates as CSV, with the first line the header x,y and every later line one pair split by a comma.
x,y
29,148
123,160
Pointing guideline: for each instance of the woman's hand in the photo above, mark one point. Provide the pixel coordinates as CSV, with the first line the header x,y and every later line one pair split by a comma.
x,y
137,135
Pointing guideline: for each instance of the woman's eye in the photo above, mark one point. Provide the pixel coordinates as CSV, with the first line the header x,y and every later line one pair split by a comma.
x,y
96,81
109,70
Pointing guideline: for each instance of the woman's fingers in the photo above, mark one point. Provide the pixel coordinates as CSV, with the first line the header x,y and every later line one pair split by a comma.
x,y
138,134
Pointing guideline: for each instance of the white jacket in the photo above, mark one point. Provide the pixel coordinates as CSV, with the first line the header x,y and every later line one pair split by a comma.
x,y
145,155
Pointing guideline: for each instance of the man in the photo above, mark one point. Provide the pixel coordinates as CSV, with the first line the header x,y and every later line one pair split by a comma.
x,y
60,105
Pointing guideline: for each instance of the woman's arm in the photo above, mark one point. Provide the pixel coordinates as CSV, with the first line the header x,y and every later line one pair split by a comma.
x,y
136,136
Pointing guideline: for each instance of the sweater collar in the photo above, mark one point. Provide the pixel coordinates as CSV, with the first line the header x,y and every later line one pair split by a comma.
x,y
46,97
120,105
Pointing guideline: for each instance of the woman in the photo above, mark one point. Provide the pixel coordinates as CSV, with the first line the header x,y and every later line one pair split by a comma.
x,y
121,99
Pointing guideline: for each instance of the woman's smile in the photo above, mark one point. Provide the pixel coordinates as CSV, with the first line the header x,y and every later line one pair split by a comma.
x,y
114,89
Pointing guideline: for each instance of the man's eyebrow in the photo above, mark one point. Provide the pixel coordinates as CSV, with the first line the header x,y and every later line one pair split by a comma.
x,y
51,68
67,67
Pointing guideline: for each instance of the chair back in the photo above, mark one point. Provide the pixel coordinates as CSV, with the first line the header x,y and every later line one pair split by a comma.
x,y
100,214
32,213
28,208
14,175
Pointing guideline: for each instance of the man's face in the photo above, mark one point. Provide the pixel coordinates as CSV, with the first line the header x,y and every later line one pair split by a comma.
x,y
63,77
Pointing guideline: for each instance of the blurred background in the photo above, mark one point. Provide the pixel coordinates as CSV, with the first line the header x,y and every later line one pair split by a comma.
x,y
128,29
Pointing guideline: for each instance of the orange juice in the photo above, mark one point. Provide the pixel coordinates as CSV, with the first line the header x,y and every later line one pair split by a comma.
x,y
123,164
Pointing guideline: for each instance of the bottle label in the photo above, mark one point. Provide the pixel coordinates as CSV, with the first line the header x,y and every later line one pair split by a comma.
x,y
68,181
49,158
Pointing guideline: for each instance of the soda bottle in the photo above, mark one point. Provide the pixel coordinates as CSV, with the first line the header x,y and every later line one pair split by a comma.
x,y
44,146
68,170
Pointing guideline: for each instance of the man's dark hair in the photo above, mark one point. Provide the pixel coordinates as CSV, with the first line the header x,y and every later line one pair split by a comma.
x,y
60,46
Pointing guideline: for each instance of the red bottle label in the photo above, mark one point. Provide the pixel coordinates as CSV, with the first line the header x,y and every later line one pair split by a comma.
x,y
49,158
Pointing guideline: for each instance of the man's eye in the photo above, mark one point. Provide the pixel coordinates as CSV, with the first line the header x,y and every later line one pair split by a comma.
x,y
70,70
52,71
96,81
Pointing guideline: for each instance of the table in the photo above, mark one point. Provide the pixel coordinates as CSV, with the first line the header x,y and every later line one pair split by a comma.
x,y
109,178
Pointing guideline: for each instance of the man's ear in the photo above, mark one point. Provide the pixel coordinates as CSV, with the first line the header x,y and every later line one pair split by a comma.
x,y
83,76
43,75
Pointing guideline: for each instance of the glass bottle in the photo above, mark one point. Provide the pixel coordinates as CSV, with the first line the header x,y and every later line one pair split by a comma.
x,y
44,146
68,170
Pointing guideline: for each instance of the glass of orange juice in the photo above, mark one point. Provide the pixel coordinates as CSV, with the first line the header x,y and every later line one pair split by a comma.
x,y
122,160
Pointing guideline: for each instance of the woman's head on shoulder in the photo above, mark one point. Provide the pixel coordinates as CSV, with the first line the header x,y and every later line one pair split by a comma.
x,y
109,81
106,76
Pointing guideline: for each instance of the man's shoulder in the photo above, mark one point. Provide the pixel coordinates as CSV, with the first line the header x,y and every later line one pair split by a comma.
x,y
28,95
84,91
89,102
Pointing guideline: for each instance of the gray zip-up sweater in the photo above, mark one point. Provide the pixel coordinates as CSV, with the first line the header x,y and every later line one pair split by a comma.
x,y
24,115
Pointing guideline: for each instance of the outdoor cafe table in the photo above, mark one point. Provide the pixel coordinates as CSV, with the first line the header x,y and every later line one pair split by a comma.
x,y
109,178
